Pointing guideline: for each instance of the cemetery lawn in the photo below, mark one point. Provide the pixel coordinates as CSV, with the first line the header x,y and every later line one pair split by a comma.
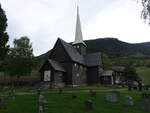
x,y
61,103
144,73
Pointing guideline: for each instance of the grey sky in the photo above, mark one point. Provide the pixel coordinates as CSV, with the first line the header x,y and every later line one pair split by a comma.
x,y
43,21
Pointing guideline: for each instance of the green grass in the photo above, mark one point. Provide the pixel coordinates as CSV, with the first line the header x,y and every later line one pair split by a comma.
x,y
61,103
144,73
1,73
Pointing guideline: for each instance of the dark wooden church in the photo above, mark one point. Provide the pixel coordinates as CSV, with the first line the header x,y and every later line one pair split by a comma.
x,y
70,65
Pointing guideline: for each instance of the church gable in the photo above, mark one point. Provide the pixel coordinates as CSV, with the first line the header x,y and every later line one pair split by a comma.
x,y
59,53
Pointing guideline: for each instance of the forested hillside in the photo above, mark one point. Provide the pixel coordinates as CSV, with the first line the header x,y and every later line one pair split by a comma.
x,y
114,48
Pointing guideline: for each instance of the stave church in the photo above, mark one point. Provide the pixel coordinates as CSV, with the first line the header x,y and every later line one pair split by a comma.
x,y
70,65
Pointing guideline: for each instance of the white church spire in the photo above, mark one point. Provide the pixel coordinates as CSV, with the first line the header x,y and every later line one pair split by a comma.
x,y
78,33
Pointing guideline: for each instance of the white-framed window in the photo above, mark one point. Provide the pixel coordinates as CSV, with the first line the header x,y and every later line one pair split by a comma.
x,y
47,75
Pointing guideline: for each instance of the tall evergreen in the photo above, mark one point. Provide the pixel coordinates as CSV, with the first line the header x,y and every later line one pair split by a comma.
x,y
3,35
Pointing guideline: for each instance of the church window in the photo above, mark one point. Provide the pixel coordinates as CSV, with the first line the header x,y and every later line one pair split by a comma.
x,y
77,75
75,65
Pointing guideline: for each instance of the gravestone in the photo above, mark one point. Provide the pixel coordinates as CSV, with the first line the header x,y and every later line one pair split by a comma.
x,y
88,104
3,103
11,94
140,86
113,96
60,90
128,101
39,91
72,95
92,93
146,102
41,103
135,88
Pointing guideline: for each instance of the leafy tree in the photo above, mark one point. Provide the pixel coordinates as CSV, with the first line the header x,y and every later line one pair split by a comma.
x,y
146,10
3,35
131,74
20,60
106,61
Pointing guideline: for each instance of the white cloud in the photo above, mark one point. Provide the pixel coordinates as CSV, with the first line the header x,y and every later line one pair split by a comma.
x,y
45,20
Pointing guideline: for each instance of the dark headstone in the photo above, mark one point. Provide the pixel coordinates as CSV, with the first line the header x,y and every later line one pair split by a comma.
x,y
38,91
72,96
140,86
60,90
146,88
146,102
88,104
129,88
128,101
135,88
3,103
113,96
92,93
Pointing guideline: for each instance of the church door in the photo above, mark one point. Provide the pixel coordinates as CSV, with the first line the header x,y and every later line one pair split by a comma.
x,y
47,75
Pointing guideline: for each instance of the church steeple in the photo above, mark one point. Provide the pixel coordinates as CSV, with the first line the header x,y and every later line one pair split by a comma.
x,y
78,33
79,43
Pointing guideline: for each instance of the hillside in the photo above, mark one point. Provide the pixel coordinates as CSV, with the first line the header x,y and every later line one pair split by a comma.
x,y
113,48
144,73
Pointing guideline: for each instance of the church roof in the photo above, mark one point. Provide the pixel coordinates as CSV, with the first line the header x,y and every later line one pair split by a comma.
x,y
93,59
78,33
72,52
56,65
118,68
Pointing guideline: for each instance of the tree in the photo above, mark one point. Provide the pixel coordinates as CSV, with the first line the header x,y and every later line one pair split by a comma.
x,y
20,60
146,10
131,74
3,35
106,61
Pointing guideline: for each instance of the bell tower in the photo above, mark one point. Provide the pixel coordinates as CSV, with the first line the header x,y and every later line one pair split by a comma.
x,y
79,44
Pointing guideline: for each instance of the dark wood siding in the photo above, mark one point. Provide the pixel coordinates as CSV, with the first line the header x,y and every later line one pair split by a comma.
x,y
59,54
68,74
93,75
79,76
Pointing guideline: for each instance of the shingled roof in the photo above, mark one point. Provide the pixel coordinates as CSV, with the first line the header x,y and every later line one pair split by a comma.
x,y
72,52
56,65
118,68
93,59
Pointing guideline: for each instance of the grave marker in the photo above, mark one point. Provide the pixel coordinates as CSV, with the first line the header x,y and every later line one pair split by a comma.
x,y
146,102
113,96
128,101
88,104
92,93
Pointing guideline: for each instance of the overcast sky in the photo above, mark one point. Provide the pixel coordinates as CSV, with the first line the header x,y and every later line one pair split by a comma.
x,y
43,21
